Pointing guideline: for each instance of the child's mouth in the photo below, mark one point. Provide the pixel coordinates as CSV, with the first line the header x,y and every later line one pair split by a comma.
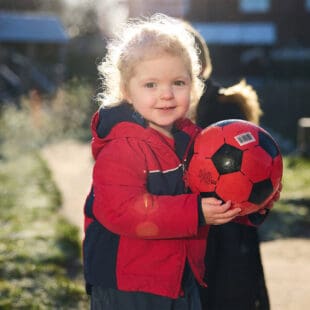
x,y
166,108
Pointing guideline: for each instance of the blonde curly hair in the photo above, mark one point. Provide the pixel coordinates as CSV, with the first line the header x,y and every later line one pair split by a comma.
x,y
141,39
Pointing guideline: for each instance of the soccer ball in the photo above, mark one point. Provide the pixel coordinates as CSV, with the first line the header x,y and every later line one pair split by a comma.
x,y
238,161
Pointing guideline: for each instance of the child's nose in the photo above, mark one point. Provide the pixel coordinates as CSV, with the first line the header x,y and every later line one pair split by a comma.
x,y
166,93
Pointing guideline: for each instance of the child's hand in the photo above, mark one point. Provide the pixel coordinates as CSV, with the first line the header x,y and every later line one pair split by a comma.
x,y
216,212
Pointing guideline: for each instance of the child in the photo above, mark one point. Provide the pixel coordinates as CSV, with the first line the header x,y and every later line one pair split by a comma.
x,y
145,234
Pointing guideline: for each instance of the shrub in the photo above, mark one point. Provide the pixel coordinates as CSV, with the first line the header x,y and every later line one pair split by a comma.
x,y
40,120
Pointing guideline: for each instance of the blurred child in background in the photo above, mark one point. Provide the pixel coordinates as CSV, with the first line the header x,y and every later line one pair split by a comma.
x,y
235,275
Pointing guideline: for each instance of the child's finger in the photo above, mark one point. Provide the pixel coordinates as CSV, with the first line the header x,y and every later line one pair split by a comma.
x,y
226,217
231,213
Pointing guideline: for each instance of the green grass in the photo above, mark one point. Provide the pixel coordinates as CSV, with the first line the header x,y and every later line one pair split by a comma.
x,y
40,253
296,178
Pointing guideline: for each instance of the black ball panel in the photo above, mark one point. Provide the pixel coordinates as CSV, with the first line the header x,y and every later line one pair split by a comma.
x,y
268,144
224,122
227,159
261,191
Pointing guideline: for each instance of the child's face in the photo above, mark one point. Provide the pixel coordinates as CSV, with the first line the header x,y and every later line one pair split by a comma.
x,y
160,91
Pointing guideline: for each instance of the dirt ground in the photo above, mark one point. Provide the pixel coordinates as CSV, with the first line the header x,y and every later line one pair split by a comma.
x,y
286,261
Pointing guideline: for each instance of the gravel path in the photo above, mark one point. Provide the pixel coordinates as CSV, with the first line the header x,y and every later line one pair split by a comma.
x,y
286,261
71,166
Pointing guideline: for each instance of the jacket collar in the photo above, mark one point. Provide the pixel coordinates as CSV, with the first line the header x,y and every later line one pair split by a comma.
x,y
109,117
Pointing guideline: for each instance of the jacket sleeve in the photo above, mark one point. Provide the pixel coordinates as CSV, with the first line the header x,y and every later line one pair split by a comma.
x,y
124,206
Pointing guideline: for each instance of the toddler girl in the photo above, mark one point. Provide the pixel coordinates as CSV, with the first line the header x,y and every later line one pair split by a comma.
x,y
145,233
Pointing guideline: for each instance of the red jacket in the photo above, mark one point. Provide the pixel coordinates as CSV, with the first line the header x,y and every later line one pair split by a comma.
x,y
138,198
140,224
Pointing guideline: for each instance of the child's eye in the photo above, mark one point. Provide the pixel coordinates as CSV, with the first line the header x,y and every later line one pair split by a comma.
x,y
179,83
150,85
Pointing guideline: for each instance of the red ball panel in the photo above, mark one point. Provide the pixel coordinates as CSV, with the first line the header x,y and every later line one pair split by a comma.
x,y
277,172
256,164
234,186
202,175
209,141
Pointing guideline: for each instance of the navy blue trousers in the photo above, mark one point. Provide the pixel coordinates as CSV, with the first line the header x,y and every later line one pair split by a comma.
x,y
112,299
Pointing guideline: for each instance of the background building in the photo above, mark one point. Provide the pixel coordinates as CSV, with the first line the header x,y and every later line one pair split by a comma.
x,y
32,54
